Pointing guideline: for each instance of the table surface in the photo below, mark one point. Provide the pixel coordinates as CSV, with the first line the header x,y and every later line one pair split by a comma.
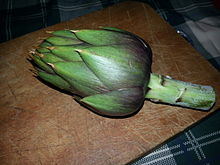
x,y
39,125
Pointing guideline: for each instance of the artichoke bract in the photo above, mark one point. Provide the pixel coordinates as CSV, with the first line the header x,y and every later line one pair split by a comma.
x,y
108,70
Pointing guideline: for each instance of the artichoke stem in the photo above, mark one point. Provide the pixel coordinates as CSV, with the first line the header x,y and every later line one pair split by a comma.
x,y
164,89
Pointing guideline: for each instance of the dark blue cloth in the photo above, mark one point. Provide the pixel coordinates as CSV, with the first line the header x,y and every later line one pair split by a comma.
x,y
198,21
20,17
198,145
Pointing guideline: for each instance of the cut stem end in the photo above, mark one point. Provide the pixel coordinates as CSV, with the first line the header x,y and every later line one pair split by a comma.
x,y
164,89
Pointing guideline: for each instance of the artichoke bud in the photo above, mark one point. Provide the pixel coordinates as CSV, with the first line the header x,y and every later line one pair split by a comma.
x,y
106,68
109,71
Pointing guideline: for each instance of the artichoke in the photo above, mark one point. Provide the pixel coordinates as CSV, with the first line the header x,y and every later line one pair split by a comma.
x,y
108,70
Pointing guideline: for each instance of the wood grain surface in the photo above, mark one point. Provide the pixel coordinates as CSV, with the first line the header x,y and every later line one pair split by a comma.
x,y
40,125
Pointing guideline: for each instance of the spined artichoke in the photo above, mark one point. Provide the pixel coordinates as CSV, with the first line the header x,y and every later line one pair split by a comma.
x,y
109,71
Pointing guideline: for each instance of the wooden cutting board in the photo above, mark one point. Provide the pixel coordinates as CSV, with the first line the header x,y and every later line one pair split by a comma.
x,y
40,125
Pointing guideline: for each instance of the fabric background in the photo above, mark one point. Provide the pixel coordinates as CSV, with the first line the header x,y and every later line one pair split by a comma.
x,y
198,21
198,145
